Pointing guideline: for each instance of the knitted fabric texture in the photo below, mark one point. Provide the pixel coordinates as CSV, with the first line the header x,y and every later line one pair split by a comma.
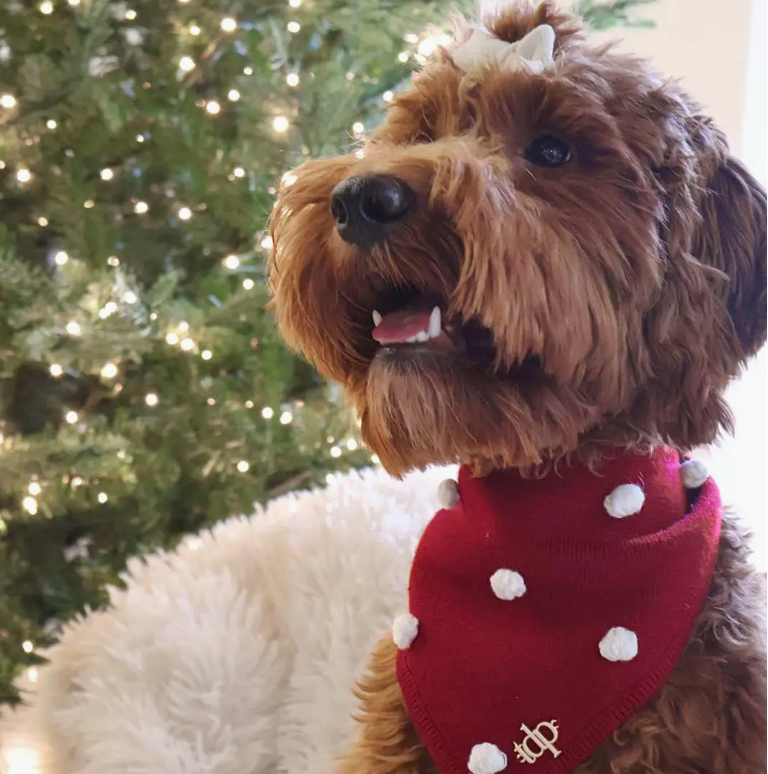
x,y
545,622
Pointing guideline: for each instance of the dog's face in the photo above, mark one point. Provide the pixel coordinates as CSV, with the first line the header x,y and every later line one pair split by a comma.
x,y
517,266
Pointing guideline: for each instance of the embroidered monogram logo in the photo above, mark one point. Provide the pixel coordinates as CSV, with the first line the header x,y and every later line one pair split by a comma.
x,y
535,743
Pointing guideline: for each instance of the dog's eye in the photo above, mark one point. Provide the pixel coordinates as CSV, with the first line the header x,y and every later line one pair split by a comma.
x,y
548,151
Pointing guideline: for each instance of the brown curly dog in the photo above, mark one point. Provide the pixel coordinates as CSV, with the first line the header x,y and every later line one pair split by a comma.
x,y
544,258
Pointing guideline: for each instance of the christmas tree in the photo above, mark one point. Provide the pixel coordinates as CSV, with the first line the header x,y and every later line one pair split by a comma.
x,y
144,391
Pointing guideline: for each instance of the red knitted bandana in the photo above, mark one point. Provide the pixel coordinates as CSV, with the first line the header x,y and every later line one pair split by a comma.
x,y
545,612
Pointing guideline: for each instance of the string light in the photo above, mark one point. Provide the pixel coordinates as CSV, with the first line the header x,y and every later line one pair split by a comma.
x,y
34,489
185,213
375,459
109,308
388,96
351,444
56,370
238,172
42,222
187,344
7,101
183,326
212,108
403,57
335,451
77,481
243,466
206,354
289,179
113,260
231,262
27,646
130,14
88,203
329,478
248,284
411,38
280,124
211,401
248,71
292,79
73,328
294,3
286,418
32,674
172,339
194,30
228,24
109,371
61,258
130,297
23,175
30,505
74,2
51,124
71,417
358,127
248,404
140,208
151,399
233,95
102,497
186,63
267,242
46,7
293,26
107,174
139,138
267,412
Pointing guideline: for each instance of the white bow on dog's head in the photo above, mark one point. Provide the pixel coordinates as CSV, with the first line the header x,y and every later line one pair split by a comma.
x,y
534,52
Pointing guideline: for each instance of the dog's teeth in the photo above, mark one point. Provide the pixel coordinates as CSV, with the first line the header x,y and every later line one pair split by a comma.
x,y
422,336
435,323
376,318
411,339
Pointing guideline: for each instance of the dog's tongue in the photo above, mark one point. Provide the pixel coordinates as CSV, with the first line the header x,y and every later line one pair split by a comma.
x,y
398,327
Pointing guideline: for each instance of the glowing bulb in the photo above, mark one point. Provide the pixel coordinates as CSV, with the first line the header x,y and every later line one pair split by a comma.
x,y
130,297
187,344
358,127
238,172
228,24
185,213
42,222
183,326
23,175
27,646
77,481
292,79
46,7
109,371
351,444
30,505
56,370
109,308
186,63
7,100
286,418
248,71
267,412
130,14
289,179
194,30
411,38
206,354
294,3
375,459
243,466
388,96
248,404
231,262
60,258
172,339
102,497
429,44
107,174
140,208
73,329
335,451
71,417
74,2
233,95
293,26
32,674
267,242
151,399
35,489
213,108
248,284
113,260
51,124
88,203
280,124
402,56
139,138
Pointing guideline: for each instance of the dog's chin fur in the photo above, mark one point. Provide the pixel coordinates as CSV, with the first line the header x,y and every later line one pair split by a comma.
x,y
623,291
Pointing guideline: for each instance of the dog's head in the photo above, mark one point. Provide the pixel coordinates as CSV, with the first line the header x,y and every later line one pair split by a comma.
x,y
544,249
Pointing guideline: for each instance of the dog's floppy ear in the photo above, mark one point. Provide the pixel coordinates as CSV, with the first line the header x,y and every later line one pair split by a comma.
x,y
731,238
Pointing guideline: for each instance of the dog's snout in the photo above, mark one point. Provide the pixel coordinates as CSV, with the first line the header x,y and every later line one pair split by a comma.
x,y
367,207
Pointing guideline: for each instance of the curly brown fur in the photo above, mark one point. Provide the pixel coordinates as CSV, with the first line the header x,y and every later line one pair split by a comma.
x,y
624,291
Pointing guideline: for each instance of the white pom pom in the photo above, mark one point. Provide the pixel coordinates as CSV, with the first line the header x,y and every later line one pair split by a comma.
x,y
625,500
486,758
404,630
448,493
693,474
619,644
507,584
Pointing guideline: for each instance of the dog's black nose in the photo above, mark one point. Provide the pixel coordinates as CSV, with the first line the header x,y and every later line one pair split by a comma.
x,y
367,207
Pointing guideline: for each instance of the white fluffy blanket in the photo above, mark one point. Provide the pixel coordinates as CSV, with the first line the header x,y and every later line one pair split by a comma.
x,y
236,653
